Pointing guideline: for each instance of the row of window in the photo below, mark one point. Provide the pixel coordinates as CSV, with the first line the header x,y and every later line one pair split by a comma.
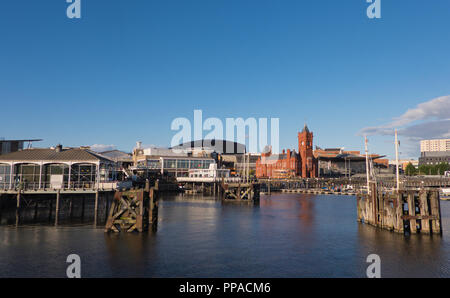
x,y
179,164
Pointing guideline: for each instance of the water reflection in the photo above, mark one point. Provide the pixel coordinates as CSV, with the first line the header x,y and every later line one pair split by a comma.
x,y
286,235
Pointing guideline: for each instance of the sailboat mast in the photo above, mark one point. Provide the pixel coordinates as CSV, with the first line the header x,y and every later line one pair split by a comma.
x,y
396,161
367,165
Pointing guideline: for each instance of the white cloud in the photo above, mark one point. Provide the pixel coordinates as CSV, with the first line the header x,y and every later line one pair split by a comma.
x,y
435,109
102,147
428,120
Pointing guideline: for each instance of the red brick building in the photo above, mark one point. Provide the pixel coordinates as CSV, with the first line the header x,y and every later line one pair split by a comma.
x,y
307,159
290,163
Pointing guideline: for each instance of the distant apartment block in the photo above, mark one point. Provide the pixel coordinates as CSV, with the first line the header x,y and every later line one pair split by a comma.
x,y
433,152
440,145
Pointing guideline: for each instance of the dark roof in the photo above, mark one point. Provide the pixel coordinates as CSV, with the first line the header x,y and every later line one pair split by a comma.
x,y
281,156
67,154
117,155
27,140
346,156
219,146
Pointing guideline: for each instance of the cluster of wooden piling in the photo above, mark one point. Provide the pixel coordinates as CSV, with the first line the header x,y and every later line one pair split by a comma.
x,y
54,201
133,210
240,192
404,211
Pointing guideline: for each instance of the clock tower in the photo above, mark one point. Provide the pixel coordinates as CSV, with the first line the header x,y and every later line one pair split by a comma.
x,y
305,149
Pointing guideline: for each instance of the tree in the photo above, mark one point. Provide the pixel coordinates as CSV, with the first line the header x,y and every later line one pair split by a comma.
x,y
442,168
410,170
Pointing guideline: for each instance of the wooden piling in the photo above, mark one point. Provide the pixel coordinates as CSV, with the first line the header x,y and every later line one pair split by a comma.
x,y
57,207
133,210
412,213
82,206
387,211
96,208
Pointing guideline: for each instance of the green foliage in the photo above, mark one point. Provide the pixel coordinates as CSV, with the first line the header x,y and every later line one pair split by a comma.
x,y
434,169
410,170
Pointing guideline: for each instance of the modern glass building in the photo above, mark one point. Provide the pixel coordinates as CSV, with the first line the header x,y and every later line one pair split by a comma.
x,y
173,166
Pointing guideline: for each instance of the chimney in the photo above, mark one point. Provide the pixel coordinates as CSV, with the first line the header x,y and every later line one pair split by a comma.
x,y
58,148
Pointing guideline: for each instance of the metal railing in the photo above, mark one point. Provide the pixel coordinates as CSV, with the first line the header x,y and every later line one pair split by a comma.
x,y
45,185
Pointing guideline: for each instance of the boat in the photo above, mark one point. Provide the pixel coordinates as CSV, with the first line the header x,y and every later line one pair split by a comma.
x,y
445,194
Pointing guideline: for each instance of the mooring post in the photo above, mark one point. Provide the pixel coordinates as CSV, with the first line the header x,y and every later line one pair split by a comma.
x,y
18,200
82,206
268,186
436,212
412,212
57,207
71,207
424,212
107,198
152,211
1,207
96,208
399,226
50,210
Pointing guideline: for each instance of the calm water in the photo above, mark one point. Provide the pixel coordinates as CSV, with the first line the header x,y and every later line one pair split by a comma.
x,y
287,235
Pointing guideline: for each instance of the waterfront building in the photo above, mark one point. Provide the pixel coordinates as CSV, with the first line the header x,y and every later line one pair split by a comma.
x,y
8,146
290,163
336,162
284,165
55,168
212,174
122,159
168,162
222,147
403,163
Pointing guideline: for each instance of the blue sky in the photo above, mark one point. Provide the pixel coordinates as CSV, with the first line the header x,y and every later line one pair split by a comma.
x,y
126,69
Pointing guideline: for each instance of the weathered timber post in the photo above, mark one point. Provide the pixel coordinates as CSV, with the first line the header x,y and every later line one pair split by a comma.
x,y
96,208
57,207
435,212
238,194
107,199
268,186
424,212
36,207
399,225
82,206
18,200
153,209
412,213
1,208
71,207
50,209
